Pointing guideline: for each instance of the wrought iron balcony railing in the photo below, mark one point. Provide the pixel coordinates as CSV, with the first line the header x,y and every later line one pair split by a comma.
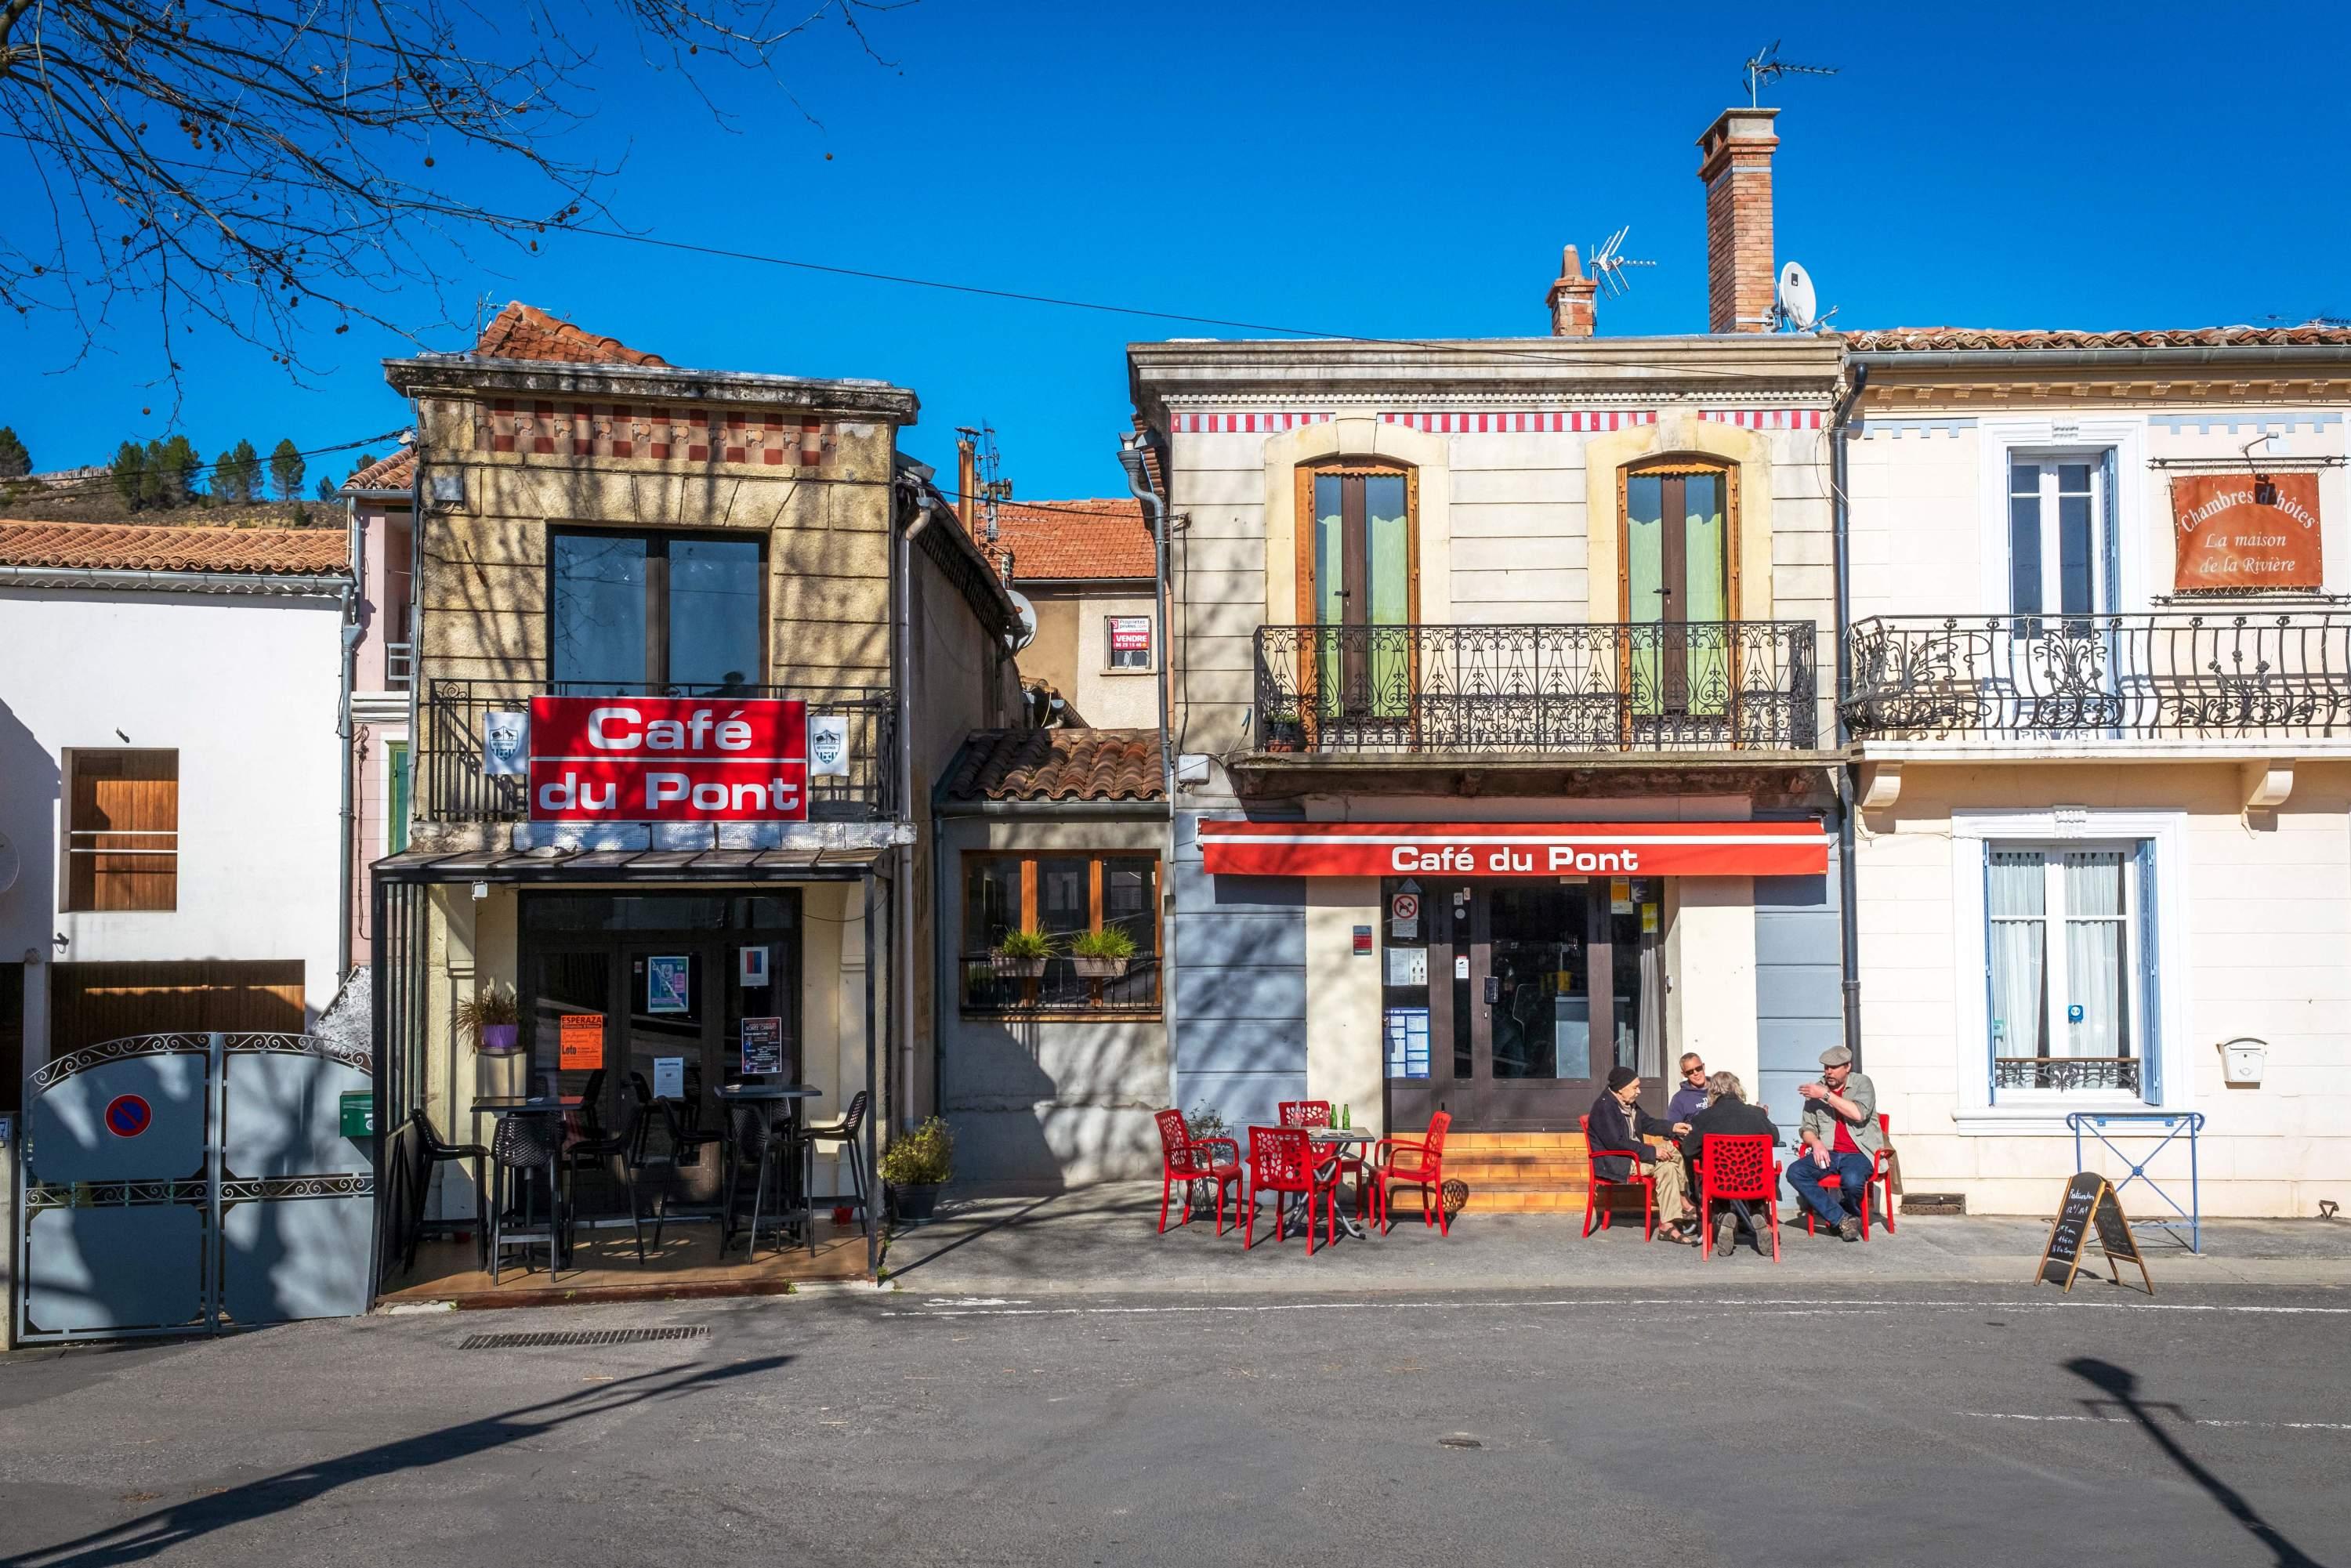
x,y
2156,677
453,787
2116,1072
1708,686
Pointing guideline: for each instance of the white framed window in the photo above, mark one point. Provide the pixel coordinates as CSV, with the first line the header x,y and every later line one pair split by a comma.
x,y
2052,496
2065,951
2060,547
2071,979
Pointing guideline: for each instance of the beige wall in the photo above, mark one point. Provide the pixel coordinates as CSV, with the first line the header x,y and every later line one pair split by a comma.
x,y
2265,901
1345,1061
484,586
1710,961
1507,534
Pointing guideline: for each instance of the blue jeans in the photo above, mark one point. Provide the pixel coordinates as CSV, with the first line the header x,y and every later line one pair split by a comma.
x,y
1825,1191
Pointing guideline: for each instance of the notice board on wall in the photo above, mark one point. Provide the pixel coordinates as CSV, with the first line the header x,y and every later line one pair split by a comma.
x,y
2240,531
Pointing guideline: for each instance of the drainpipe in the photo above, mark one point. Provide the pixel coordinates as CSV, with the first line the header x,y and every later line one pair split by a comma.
x,y
348,815
902,913
1848,776
1130,447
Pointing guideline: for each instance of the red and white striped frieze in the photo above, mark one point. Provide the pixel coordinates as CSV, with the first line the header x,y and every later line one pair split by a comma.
x,y
1506,421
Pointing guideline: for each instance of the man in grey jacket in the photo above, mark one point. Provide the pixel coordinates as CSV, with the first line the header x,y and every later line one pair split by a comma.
x,y
1840,1138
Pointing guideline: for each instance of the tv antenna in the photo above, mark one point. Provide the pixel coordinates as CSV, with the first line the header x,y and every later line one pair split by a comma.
x,y
1609,262
1767,65
992,488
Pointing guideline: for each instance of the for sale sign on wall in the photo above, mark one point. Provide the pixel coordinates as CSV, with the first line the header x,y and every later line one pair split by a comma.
x,y
668,760
2246,531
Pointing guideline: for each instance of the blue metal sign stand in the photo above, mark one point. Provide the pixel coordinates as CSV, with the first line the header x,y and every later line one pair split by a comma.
x,y
2170,1123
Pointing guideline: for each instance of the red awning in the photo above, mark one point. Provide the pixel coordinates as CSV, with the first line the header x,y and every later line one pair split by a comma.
x,y
1520,849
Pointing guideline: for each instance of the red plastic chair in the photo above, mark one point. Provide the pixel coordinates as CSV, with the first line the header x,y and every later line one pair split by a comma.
x,y
1426,1172
1643,1179
1317,1114
1182,1157
1881,1174
1741,1168
1282,1162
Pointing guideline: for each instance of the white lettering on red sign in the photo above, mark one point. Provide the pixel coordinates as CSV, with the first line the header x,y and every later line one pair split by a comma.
x,y
1373,848
668,760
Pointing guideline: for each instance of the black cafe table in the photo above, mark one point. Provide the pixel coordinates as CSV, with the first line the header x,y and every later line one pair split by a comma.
x,y
766,1099
498,1107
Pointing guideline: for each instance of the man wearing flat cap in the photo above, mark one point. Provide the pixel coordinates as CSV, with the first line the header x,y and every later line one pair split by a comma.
x,y
1840,1138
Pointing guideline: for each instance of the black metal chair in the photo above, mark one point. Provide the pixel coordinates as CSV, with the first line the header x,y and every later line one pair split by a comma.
x,y
427,1151
846,1131
524,1144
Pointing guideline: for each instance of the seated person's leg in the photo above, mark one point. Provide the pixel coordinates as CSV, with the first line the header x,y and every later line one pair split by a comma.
x,y
1806,1177
1853,1172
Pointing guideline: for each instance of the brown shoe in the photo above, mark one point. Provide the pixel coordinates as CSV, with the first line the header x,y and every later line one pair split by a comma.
x,y
1850,1230
1726,1233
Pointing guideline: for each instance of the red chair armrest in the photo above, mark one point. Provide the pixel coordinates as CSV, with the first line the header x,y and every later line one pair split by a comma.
x,y
1390,1145
1220,1143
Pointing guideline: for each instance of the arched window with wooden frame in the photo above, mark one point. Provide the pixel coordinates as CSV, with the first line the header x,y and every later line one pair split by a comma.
x,y
1358,575
1678,540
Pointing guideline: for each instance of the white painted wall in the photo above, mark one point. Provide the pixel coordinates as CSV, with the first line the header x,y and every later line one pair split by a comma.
x,y
246,689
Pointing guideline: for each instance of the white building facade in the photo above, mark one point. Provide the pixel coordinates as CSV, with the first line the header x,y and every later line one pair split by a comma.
x,y
2100,702
169,779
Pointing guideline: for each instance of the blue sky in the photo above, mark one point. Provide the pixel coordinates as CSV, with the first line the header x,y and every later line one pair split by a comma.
x,y
1374,169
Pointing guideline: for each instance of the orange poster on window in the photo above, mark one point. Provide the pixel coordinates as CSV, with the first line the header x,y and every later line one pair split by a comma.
x,y
580,1041
2246,531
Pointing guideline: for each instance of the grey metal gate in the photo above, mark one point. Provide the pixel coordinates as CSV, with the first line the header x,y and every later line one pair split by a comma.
x,y
189,1183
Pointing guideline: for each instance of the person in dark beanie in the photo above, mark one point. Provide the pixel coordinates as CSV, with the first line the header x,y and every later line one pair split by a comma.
x,y
1613,1134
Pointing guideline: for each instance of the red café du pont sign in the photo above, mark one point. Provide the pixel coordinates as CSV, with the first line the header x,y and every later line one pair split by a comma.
x,y
1499,848
668,760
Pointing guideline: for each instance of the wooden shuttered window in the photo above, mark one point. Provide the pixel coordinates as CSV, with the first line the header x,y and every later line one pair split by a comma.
x,y
122,831
93,1002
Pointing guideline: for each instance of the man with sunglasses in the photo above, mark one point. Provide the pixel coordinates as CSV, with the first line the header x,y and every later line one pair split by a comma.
x,y
1689,1099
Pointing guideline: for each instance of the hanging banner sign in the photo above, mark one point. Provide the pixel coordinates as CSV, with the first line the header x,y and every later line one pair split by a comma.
x,y
827,746
668,760
504,745
2246,531
1489,848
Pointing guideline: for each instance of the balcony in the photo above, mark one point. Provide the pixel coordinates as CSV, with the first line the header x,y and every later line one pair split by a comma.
x,y
2146,678
453,787
1537,690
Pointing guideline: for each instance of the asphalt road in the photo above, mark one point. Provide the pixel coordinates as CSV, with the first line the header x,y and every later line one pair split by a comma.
x,y
1737,1422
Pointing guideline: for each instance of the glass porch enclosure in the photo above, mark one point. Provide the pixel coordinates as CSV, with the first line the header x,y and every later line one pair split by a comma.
x,y
646,967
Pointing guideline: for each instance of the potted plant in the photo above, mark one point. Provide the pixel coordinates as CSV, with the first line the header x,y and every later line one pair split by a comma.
x,y
1102,955
493,1019
914,1168
1021,954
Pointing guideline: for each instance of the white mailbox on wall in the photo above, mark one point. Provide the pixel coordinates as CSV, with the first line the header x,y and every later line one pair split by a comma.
x,y
2242,1058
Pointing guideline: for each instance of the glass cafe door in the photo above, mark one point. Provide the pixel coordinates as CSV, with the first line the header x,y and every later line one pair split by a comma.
x,y
1514,973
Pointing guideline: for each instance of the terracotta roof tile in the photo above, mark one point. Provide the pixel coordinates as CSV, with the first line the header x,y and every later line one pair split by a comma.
x,y
130,547
397,472
1897,340
1063,540
523,332
1057,764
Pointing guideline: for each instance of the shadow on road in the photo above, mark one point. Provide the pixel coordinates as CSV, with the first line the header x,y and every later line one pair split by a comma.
x,y
164,1529
1017,1218
2120,1385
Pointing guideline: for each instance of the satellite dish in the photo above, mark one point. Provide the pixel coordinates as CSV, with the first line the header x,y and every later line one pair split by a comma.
x,y
1027,633
1798,308
10,863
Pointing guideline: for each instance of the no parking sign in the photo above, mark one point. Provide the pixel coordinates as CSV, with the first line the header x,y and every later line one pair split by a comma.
x,y
128,1115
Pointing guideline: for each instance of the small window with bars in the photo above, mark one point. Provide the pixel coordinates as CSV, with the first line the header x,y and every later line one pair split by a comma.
x,y
122,829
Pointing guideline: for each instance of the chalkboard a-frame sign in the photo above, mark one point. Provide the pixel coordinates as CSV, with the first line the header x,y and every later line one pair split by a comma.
x,y
2090,1206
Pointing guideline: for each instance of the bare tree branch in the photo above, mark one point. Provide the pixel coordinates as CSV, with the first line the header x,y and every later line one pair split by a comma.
x,y
234,160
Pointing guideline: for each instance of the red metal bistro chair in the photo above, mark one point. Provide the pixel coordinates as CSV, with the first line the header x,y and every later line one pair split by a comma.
x,y
1187,1159
1388,1171
1737,1167
1282,1162
1317,1114
1646,1182
1881,1175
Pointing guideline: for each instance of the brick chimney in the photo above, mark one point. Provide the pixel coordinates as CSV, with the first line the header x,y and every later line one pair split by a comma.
x,y
1734,162
1571,300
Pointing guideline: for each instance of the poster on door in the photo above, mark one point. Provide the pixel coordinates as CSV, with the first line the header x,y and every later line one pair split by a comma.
x,y
763,1046
579,1042
669,984
2239,531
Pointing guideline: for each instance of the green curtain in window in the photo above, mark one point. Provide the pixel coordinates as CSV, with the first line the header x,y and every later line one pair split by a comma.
x,y
1387,546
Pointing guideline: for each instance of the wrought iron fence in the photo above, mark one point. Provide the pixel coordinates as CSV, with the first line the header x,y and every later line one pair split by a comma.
x,y
2119,1072
1700,685
2161,675
454,787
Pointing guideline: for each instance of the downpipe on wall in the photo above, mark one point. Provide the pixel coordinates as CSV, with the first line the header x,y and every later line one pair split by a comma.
x,y
1849,775
1132,449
